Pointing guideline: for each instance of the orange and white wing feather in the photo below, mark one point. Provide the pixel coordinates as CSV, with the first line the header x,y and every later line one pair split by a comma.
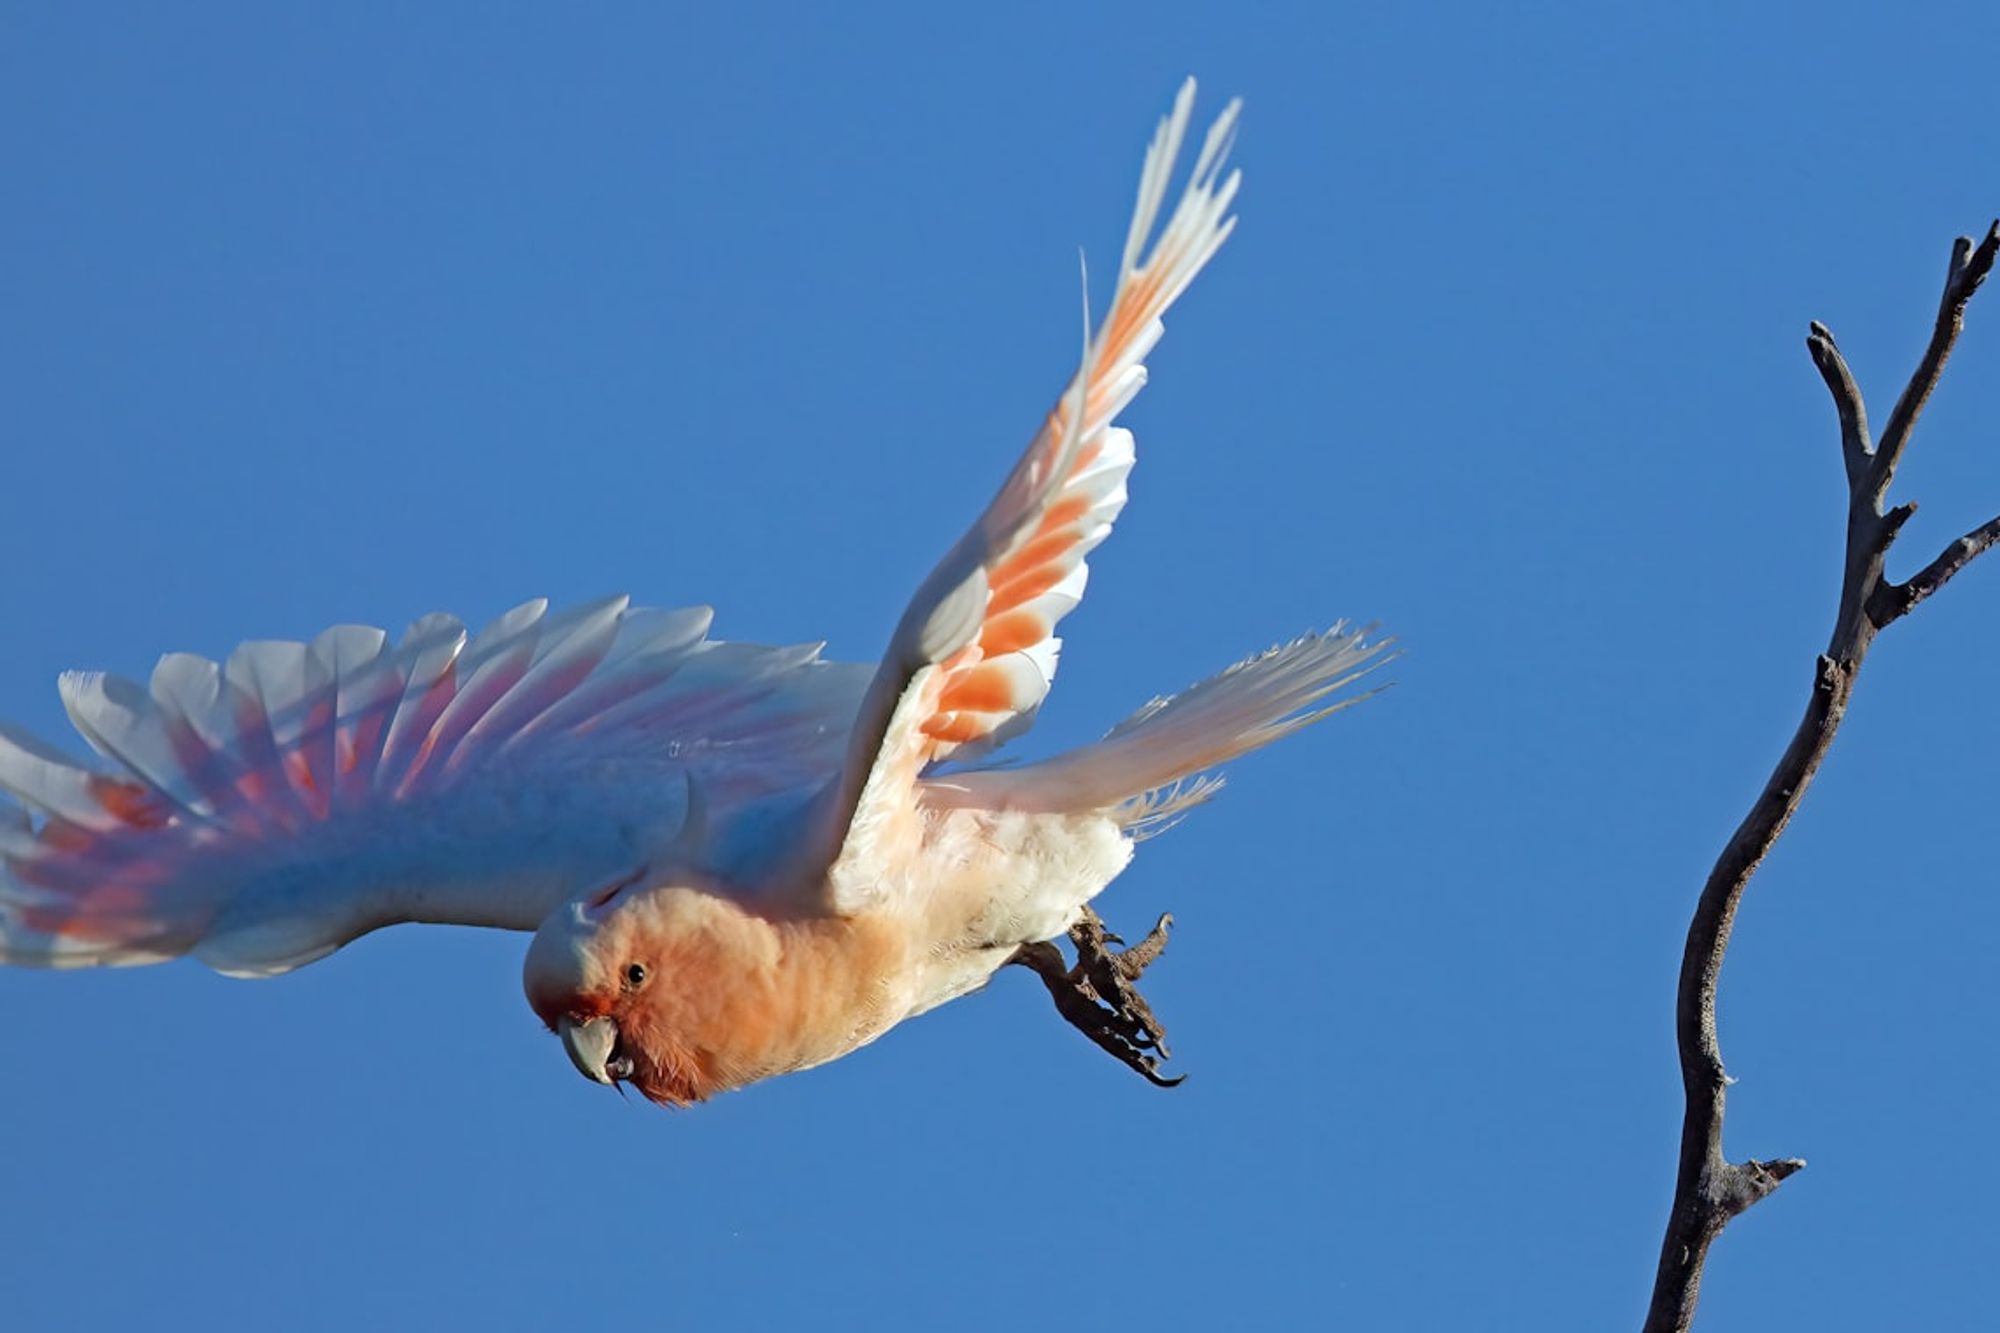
x,y
975,652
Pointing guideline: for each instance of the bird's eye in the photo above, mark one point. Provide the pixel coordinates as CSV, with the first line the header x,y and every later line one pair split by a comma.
x,y
635,975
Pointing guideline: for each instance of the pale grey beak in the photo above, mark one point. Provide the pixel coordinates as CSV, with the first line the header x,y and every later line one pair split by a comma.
x,y
590,1046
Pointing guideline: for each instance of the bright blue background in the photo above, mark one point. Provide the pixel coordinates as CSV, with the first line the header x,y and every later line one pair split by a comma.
x,y
369,311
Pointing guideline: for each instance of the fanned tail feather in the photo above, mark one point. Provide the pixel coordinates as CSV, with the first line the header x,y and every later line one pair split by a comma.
x,y
1152,813
1152,768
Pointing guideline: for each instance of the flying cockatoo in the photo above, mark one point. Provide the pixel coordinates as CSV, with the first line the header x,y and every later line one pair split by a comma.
x,y
737,860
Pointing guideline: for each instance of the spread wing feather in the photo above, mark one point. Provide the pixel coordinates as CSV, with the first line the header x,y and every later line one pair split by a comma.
x,y
262,811
975,652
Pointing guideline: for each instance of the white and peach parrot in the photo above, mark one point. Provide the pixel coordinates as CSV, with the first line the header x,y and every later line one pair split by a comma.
x,y
736,860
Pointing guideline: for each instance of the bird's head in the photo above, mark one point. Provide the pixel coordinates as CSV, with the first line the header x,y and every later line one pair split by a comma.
x,y
594,974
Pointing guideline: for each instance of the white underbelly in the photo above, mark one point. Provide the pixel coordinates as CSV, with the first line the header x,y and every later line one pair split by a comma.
x,y
1002,880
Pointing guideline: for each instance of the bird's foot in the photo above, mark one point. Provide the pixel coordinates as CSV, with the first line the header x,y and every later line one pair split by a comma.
x,y
1099,997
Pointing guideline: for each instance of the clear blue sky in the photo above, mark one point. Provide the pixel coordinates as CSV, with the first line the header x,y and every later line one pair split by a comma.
x,y
365,312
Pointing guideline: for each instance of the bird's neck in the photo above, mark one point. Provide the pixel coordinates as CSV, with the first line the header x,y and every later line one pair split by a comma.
x,y
738,995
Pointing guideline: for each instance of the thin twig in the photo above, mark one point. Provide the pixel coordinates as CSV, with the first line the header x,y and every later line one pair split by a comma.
x,y
1968,268
1709,1189
1897,600
1854,447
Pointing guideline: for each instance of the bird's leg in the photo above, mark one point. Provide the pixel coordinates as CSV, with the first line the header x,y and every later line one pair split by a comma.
x,y
1098,996
1113,974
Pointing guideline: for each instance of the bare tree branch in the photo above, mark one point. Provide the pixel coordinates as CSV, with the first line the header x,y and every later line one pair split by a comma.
x,y
1895,600
1854,446
1709,1189
1968,268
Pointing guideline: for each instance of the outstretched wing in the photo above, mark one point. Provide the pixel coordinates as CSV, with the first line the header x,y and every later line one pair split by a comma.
x,y
973,656
262,812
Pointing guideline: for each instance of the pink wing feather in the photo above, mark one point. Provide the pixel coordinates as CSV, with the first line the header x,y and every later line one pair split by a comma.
x,y
261,812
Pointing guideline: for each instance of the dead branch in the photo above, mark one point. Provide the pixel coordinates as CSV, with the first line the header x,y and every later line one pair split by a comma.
x,y
1710,1189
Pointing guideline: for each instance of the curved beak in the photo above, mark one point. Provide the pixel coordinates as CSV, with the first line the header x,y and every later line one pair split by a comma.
x,y
591,1046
